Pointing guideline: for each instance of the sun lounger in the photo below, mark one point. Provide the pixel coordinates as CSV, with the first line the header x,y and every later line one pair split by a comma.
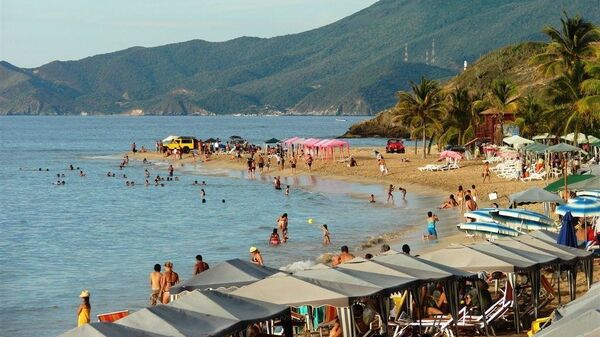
x,y
535,176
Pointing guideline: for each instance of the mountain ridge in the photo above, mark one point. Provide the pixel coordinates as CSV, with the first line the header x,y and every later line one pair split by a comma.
x,y
351,66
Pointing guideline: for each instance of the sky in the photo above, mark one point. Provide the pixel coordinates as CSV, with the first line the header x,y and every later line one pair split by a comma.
x,y
33,32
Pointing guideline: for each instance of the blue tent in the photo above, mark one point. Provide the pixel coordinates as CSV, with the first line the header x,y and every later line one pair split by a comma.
x,y
567,236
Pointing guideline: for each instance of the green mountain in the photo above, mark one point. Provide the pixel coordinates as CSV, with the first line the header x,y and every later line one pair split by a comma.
x,y
352,66
511,63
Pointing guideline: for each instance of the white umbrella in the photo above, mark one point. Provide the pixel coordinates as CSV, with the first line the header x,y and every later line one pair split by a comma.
x,y
581,138
543,136
517,141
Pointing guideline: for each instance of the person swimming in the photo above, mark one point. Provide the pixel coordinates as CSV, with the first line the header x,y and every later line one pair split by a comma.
x,y
202,193
274,238
287,190
372,198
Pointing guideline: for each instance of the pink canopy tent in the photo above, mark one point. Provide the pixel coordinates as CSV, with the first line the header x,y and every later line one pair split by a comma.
x,y
310,142
290,140
450,154
330,145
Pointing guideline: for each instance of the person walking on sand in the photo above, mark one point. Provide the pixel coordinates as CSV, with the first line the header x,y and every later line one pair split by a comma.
x,y
309,161
168,279
382,166
432,220
155,277
293,163
84,309
200,265
255,256
474,193
486,172
390,196
326,238
460,196
343,257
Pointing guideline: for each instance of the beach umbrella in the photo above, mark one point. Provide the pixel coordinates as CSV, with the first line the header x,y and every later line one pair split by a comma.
x,y
566,236
543,136
571,180
518,223
562,148
489,228
525,215
533,195
210,140
589,193
585,325
451,155
536,147
517,141
272,141
169,139
170,321
232,273
227,306
592,183
581,138
103,329
508,154
580,207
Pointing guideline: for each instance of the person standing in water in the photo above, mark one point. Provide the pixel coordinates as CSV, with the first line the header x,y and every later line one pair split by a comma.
x,y
168,279
326,238
274,239
171,170
282,224
390,196
83,312
200,265
155,277
432,220
309,161
255,256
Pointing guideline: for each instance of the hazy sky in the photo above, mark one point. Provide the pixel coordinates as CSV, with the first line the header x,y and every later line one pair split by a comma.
x,y
36,32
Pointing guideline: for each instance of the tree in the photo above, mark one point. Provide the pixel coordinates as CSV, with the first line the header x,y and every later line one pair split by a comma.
x,y
576,99
461,116
570,44
503,97
421,108
530,117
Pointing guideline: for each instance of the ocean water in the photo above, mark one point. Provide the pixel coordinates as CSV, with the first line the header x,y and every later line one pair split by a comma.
x,y
96,233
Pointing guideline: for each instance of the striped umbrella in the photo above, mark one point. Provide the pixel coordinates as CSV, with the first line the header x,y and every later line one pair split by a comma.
x,y
526,215
490,228
494,215
589,193
580,207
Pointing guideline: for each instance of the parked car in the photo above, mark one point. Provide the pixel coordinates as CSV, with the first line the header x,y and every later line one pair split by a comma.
x,y
394,145
455,148
185,143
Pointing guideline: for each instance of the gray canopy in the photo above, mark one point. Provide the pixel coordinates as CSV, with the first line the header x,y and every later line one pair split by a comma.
x,y
543,256
170,321
227,274
534,195
589,301
579,325
565,253
587,184
227,306
103,329
386,283
563,147
536,147
422,269
297,291
545,235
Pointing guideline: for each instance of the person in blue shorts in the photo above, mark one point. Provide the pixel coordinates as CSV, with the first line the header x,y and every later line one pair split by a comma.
x,y
432,219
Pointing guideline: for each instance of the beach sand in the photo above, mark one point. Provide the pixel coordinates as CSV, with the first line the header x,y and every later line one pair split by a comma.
x,y
403,171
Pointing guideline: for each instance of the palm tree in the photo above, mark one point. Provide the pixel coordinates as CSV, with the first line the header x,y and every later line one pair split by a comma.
x,y
576,96
503,97
530,117
461,117
421,108
571,43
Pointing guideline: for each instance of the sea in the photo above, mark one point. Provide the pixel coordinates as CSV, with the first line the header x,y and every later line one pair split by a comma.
x,y
96,233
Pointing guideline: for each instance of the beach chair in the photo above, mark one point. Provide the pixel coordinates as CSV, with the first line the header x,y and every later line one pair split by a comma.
x,y
535,176
496,312
430,167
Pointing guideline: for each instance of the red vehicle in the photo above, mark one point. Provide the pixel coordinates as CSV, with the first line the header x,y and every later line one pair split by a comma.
x,y
394,146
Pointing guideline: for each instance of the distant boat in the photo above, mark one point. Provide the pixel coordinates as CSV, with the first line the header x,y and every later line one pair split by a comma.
x,y
340,120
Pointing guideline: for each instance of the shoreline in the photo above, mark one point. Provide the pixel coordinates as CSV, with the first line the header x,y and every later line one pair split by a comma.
x,y
366,173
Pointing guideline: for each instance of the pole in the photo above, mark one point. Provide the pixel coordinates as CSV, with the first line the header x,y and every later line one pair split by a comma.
x,y
565,195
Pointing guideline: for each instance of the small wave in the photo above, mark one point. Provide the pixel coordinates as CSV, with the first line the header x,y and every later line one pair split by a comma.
x,y
106,157
297,266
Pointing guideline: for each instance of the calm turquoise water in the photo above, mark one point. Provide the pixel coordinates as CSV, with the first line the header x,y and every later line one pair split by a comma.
x,y
96,233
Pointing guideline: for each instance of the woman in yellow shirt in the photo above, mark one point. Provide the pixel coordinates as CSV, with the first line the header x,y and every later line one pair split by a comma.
x,y
83,312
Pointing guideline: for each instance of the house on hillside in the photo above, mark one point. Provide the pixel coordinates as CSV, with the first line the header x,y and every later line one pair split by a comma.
x,y
493,119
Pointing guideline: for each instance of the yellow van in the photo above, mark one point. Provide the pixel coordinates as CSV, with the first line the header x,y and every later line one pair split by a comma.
x,y
184,143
